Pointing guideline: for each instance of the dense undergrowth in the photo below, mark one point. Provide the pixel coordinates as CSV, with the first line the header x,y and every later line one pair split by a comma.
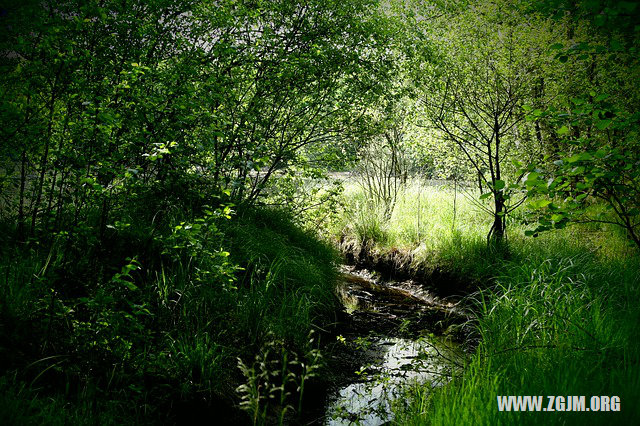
x,y
555,315
139,328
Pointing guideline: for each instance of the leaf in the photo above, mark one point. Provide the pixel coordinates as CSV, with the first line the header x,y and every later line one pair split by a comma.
x,y
582,156
498,184
538,204
131,286
532,176
564,130
603,124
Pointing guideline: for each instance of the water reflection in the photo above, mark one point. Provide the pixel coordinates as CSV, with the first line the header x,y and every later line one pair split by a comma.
x,y
397,363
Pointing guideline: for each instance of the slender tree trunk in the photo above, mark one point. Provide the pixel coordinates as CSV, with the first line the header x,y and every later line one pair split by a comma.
x,y
60,201
23,178
498,215
455,196
498,218
104,217
43,164
51,193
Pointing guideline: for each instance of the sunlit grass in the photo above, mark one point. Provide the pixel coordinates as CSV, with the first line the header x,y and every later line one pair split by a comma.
x,y
556,314
424,226
554,326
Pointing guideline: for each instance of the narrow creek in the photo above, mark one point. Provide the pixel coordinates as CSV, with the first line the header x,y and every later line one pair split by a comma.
x,y
397,334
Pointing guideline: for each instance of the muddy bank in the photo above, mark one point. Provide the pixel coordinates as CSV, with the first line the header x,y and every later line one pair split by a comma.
x,y
397,265
398,305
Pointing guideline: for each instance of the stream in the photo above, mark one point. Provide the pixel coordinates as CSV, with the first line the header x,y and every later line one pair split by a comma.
x,y
398,334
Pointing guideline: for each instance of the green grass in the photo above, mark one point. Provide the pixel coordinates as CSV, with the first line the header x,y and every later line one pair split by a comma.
x,y
556,315
553,326
288,277
424,228
112,340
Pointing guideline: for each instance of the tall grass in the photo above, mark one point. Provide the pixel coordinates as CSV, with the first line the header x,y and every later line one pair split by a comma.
x,y
126,342
424,226
556,315
561,325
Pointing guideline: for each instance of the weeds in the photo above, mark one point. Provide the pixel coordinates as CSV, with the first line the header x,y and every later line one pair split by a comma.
x,y
555,315
125,332
274,381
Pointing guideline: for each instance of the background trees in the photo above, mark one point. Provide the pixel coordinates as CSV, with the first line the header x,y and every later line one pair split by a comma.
x,y
115,105
594,125
475,90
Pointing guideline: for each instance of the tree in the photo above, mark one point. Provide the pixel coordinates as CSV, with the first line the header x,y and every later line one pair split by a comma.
x,y
596,157
608,172
475,93
113,110
383,169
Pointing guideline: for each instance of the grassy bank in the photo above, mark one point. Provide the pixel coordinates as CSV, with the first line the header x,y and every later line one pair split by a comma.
x,y
150,328
556,315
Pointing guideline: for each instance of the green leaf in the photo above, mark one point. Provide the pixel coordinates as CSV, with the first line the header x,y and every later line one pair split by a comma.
x,y
603,124
564,130
582,156
538,204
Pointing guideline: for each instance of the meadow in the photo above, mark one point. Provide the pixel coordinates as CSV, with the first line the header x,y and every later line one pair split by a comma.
x,y
553,315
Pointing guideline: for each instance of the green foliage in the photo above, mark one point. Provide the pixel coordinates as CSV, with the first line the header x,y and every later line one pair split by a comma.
x,y
474,91
139,139
592,155
130,133
160,333
20,404
594,167
275,376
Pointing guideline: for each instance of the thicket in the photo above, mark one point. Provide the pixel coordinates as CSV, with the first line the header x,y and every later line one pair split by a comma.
x,y
142,140
139,140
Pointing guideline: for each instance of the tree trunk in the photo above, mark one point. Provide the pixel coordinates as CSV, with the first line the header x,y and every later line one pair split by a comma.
x,y
43,164
23,178
497,229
